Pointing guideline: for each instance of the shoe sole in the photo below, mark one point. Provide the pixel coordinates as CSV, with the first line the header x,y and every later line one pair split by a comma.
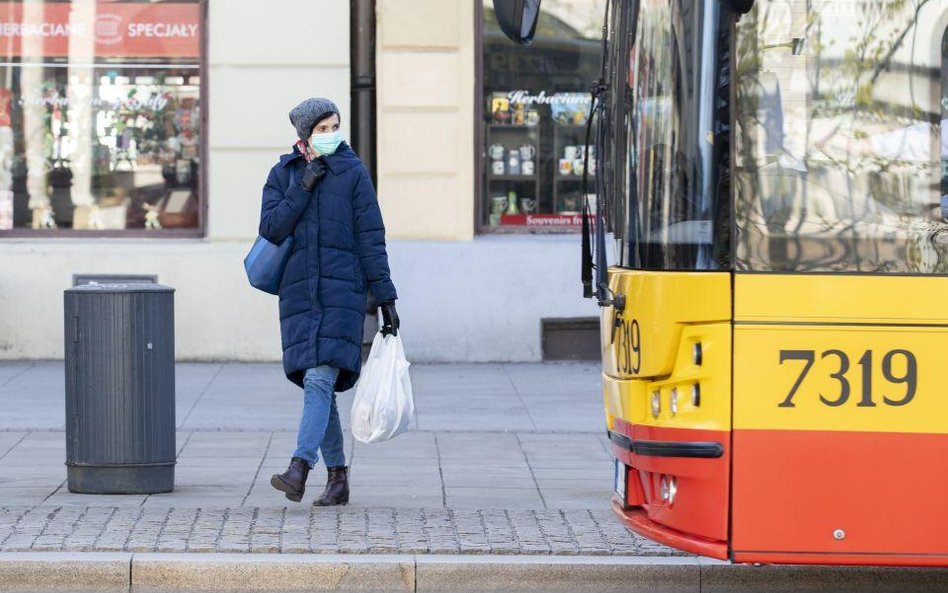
x,y
286,489
342,503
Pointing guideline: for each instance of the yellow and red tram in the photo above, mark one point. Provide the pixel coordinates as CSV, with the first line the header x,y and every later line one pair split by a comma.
x,y
775,323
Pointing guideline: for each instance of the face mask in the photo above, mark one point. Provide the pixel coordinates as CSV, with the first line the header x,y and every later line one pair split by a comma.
x,y
325,143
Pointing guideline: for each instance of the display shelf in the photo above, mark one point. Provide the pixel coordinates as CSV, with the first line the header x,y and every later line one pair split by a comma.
x,y
511,137
511,127
514,119
568,188
529,178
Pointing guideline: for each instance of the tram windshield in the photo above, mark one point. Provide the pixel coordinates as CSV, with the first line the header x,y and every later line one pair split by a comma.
x,y
837,160
670,217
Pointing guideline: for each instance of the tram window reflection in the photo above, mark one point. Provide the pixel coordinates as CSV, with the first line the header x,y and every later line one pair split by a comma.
x,y
840,137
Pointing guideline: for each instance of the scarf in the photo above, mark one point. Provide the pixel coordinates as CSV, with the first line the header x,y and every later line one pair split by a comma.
x,y
306,150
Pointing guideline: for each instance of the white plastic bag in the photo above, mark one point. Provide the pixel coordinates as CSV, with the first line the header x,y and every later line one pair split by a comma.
x,y
383,406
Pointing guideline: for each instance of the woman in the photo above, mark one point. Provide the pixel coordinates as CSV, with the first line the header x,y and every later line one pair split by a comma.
x,y
322,195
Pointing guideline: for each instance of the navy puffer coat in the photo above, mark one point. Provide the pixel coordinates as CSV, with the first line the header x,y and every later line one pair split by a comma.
x,y
338,254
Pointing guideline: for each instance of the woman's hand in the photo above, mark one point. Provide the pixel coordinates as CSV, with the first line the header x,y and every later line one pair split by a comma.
x,y
389,319
313,172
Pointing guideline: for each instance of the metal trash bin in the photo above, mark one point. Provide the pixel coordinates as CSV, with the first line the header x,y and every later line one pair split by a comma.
x,y
120,417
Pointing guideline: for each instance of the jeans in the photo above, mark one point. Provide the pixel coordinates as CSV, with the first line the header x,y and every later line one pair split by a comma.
x,y
320,428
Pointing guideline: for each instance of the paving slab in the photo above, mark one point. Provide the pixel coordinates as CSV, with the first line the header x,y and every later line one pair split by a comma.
x,y
546,417
8,440
10,370
491,447
492,498
409,446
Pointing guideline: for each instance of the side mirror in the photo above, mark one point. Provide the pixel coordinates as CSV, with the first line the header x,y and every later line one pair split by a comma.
x,y
518,19
740,6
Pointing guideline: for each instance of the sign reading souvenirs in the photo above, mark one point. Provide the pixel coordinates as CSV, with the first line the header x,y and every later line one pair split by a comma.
x,y
48,30
542,220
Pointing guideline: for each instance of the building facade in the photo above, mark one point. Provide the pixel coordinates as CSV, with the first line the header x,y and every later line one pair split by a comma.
x,y
137,136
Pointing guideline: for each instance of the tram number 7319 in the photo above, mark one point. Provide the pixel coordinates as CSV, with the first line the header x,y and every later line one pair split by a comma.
x,y
899,367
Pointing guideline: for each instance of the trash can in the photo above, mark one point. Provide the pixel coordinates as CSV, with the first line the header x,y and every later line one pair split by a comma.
x,y
120,418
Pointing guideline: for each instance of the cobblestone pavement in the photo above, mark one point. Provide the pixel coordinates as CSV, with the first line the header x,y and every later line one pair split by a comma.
x,y
315,530
504,459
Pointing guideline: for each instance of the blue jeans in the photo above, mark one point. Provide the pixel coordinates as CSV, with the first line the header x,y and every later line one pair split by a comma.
x,y
320,428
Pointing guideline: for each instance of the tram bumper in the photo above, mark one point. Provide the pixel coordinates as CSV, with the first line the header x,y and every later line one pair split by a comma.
x,y
672,485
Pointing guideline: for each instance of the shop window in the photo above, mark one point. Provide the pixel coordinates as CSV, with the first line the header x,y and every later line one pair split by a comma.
x,y
535,107
100,118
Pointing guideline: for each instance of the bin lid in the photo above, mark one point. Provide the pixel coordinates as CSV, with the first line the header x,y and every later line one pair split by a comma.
x,y
122,287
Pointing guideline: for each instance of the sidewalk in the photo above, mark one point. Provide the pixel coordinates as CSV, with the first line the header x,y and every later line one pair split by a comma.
x,y
503,486
504,458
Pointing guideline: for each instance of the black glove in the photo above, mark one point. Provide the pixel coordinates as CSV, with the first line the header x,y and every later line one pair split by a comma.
x,y
389,319
313,172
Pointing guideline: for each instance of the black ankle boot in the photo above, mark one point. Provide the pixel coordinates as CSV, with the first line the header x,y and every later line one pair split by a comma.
x,y
337,488
292,482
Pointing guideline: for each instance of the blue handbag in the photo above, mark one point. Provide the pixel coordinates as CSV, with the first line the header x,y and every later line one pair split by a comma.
x,y
265,262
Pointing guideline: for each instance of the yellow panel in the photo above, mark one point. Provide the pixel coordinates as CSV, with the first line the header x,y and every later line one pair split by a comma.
x,y
624,400
823,298
845,388
712,377
708,409
642,340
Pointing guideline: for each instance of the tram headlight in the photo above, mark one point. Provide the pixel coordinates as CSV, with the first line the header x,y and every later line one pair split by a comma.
x,y
663,485
656,404
673,403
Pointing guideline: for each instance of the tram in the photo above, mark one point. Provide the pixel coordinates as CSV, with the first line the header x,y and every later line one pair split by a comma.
x,y
774,323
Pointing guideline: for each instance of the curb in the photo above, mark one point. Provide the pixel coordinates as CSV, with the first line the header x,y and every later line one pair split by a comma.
x,y
29,572
40,571
570,574
239,573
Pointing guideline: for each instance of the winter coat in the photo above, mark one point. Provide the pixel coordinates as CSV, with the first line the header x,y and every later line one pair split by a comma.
x,y
338,254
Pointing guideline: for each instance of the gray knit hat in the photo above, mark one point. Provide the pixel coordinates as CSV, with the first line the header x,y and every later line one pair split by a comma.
x,y
307,114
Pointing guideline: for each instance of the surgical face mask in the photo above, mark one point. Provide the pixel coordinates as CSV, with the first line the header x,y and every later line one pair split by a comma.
x,y
326,143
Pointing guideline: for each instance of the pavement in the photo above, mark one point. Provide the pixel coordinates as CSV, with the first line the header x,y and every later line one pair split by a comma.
x,y
499,437
503,484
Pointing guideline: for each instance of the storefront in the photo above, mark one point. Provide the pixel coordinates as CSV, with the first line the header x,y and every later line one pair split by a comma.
x,y
100,119
535,108
116,160
137,136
